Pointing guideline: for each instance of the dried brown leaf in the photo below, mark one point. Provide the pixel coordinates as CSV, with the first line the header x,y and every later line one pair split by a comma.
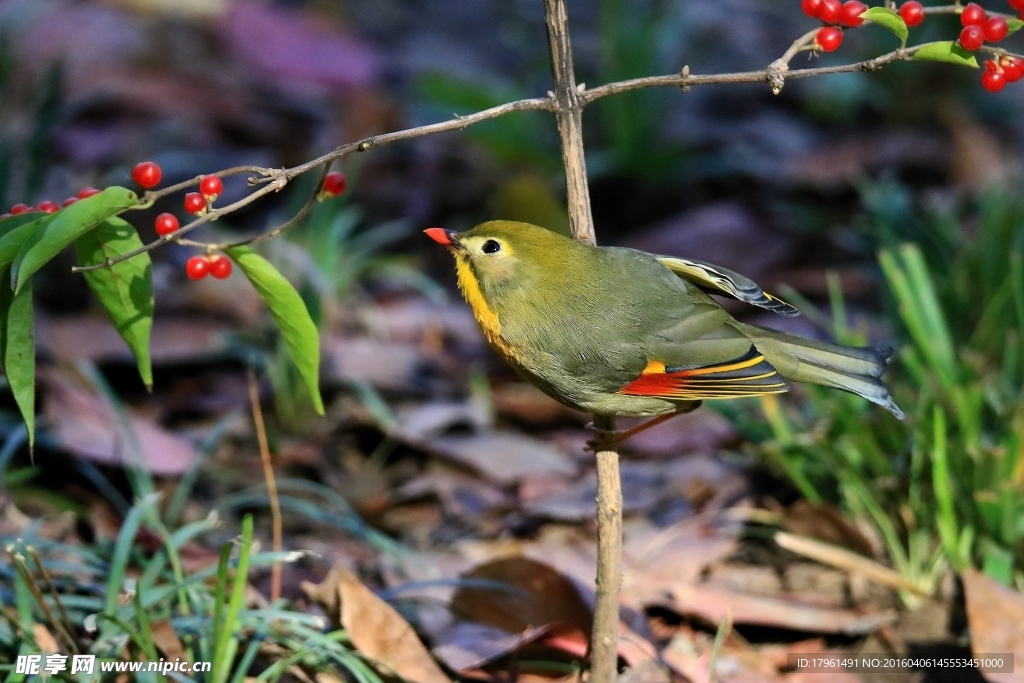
x,y
995,614
376,629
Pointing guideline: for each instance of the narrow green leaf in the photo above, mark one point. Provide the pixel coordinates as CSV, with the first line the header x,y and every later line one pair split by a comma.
x,y
888,19
125,289
12,222
66,226
946,51
1014,25
12,242
290,314
18,352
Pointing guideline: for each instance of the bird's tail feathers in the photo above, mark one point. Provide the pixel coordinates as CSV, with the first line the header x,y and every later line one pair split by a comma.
x,y
857,370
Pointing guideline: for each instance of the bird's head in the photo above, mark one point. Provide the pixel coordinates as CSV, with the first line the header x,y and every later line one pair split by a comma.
x,y
501,255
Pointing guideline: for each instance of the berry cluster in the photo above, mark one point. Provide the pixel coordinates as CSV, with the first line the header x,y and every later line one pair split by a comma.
x,y
838,14
48,206
148,175
216,265
980,28
999,73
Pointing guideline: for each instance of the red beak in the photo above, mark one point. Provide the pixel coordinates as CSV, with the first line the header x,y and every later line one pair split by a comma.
x,y
441,236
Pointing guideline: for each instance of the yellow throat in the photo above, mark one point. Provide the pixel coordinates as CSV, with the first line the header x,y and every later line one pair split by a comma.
x,y
487,318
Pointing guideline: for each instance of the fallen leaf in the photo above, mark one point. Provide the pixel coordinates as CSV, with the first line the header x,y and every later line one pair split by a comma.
x,y
656,561
503,456
385,365
166,638
376,629
995,615
174,340
466,645
84,424
522,594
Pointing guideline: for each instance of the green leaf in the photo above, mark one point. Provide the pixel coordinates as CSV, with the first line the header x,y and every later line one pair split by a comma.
x,y
125,289
946,51
67,225
290,314
12,222
889,19
18,352
1014,26
12,241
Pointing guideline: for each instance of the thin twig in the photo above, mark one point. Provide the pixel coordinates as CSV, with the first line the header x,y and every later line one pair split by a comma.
x,y
782,63
48,579
268,473
287,225
22,568
762,76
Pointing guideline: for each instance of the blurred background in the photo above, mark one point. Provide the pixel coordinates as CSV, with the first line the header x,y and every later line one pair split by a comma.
x,y
431,446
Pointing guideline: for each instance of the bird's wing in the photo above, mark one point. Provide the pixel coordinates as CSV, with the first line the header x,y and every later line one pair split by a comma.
x,y
720,280
747,375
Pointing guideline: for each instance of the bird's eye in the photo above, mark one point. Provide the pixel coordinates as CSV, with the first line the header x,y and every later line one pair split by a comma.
x,y
491,247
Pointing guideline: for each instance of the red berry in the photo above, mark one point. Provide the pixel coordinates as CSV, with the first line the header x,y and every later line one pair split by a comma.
x,y
912,13
972,37
165,224
20,208
995,29
993,81
852,9
147,174
48,207
195,203
829,38
220,267
1017,4
335,183
211,187
973,15
87,192
1013,69
69,201
812,7
197,268
831,11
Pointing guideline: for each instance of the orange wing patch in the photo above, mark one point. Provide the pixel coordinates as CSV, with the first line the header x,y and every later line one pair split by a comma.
x,y
750,375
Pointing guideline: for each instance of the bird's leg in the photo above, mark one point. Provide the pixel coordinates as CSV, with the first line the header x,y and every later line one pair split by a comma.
x,y
605,440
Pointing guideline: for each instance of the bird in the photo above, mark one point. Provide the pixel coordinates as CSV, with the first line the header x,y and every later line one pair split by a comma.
x,y
615,331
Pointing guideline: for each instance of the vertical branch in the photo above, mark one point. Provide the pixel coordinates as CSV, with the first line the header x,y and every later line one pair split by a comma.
x,y
604,651
569,115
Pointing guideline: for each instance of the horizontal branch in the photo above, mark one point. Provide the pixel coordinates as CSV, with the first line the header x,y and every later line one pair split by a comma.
x,y
686,80
269,180
274,180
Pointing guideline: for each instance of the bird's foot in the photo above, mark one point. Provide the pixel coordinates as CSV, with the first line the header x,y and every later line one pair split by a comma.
x,y
610,439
